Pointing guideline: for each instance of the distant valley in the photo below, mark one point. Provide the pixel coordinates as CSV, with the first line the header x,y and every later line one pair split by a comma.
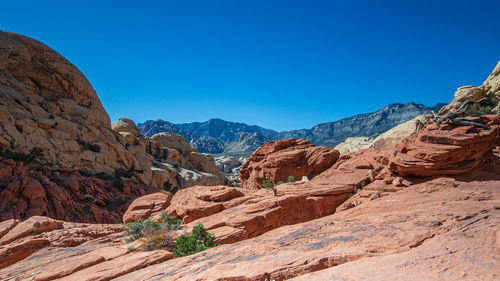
x,y
217,136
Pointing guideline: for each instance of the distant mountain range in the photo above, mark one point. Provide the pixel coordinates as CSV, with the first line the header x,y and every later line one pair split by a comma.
x,y
218,136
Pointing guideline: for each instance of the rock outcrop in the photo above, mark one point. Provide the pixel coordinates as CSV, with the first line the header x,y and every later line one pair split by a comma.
x,y
395,135
47,103
446,152
146,206
277,160
354,144
31,189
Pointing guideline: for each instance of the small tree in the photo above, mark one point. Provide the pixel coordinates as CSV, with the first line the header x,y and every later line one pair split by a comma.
x,y
290,179
269,184
192,244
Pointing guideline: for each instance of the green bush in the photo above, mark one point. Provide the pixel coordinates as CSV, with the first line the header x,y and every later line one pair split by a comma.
x,y
280,182
34,155
267,184
167,186
141,228
199,241
486,107
290,179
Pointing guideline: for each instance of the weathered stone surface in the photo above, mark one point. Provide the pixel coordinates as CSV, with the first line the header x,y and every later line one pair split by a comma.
x,y
395,135
200,201
146,206
277,160
445,152
257,214
46,102
33,189
422,231
354,144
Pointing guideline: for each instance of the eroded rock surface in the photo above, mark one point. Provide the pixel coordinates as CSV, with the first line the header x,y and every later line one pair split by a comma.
x,y
31,189
453,151
277,160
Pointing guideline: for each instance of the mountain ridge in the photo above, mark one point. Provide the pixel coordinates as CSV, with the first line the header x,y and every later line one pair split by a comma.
x,y
218,136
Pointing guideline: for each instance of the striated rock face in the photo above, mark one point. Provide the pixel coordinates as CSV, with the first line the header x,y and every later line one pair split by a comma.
x,y
63,193
354,144
277,160
46,102
446,152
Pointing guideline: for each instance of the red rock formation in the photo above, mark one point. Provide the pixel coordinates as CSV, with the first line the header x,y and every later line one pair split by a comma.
x,y
200,201
146,206
446,227
446,151
276,160
30,189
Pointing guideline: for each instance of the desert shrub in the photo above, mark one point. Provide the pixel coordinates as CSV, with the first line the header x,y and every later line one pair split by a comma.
x,y
167,186
267,184
122,173
103,176
290,179
280,182
85,172
192,244
89,146
158,238
484,108
375,196
34,155
138,229
141,228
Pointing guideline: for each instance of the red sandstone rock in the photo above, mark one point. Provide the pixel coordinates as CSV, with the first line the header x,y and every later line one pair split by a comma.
x,y
276,160
30,189
146,206
445,227
421,232
258,214
446,152
196,202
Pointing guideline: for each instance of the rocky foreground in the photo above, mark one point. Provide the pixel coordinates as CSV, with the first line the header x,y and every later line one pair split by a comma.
x,y
397,225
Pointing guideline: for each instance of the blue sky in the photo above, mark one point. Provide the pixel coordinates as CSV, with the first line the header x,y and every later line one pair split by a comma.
x,y
279,64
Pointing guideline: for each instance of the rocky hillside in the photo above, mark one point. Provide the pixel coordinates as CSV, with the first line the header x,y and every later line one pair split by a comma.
x,y
219,136
59,154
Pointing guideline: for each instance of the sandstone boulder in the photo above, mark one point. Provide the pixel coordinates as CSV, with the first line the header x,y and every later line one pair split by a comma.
x,y
395,135
277,160
146,206
354,144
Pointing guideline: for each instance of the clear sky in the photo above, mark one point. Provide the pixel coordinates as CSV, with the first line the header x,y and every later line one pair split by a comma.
x,y
279,64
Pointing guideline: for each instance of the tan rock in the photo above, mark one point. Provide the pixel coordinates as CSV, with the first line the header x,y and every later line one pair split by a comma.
x,y
398,133
354,144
